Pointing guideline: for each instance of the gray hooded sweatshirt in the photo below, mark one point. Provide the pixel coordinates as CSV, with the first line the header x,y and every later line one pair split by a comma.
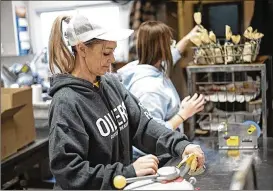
x,y
92,131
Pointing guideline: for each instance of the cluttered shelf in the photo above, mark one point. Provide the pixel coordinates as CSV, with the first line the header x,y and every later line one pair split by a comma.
x,y
235,93
233,78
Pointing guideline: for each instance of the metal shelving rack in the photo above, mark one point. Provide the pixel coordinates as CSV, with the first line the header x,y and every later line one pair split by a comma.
x,y
230,69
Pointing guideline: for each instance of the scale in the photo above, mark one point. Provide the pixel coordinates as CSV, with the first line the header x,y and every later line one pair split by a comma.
x,y
166,178
239,135
177,183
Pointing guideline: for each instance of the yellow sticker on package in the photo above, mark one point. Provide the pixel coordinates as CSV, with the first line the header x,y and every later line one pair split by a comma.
x,y
233,141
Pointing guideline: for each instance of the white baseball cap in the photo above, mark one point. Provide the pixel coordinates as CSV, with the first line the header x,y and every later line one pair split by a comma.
x,y
80,29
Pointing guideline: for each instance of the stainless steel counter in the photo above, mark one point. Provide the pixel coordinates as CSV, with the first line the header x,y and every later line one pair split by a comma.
x,y
221,164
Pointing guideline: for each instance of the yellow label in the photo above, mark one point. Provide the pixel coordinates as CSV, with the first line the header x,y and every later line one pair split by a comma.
x,y
24,69
97,84
233,141
233,153
251,129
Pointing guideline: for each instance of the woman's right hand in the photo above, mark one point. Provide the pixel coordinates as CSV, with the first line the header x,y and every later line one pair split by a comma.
x,y
146,165
191,105
194,32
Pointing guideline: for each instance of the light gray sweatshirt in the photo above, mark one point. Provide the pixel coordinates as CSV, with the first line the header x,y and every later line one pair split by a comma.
x,y
153,88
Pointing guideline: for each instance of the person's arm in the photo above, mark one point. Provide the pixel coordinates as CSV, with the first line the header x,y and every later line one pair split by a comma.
x,y
182,44
157,105
176,120
176,55
151,136
68,150
179,49
147,134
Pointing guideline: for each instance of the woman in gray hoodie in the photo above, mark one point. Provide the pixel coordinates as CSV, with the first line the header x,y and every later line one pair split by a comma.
x,y
147,78
94,121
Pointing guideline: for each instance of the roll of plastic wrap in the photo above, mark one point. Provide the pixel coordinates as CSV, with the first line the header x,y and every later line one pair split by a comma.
x,y
14,86
36,93
257,127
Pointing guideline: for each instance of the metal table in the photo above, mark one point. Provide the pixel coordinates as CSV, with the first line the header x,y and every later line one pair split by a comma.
x,y
15,169
221,164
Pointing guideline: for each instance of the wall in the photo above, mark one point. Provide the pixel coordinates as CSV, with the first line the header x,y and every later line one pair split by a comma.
x,y
36,7
8,27
8,34
8,37
9,60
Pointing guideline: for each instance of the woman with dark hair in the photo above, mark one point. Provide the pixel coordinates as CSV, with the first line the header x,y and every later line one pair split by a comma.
x,y
148,77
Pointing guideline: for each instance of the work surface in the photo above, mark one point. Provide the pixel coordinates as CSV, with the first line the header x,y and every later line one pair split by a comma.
x,y
40,142
220,164
23,161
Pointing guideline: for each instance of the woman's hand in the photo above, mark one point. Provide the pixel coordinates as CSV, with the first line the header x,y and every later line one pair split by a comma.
x,y
191,105
146,165
182,44
194,32
196,149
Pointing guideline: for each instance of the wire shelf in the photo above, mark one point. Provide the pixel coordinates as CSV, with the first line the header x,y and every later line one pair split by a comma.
x,y
232,92
228,53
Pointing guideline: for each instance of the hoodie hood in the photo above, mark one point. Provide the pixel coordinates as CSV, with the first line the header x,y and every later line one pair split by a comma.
x,y
153,88
60,81
133,72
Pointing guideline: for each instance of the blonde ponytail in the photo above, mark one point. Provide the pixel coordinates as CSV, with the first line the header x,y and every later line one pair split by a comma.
x,y
59,54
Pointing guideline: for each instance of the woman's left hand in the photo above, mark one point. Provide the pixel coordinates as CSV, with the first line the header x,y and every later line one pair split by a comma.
x,y
196,149
191,105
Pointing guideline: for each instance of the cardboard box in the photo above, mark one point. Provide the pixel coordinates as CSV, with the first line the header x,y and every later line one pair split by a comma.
x,y
8,132
16,107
